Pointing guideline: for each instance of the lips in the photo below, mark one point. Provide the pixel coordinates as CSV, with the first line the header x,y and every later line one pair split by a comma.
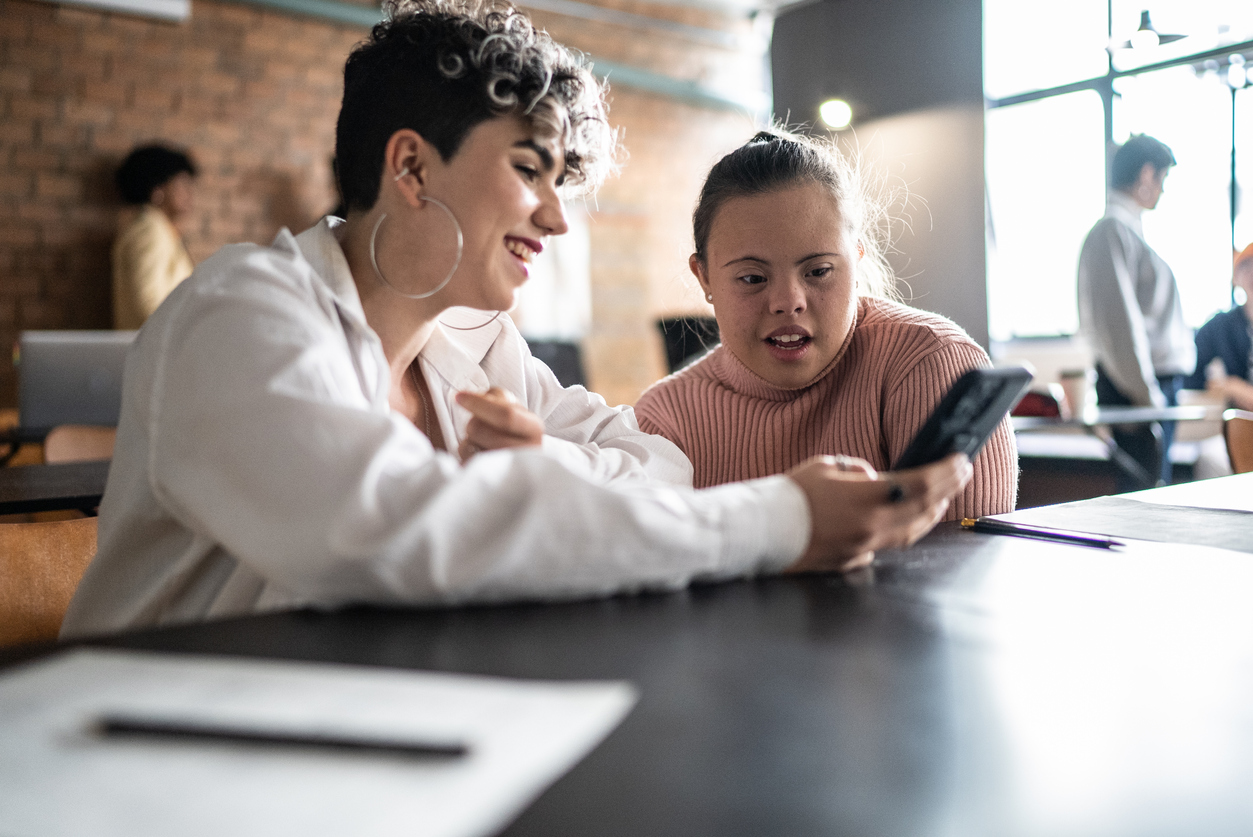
x,y
788,339
525,249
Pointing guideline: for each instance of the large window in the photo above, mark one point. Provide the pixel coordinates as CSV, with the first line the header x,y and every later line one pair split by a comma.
x,y
1061,94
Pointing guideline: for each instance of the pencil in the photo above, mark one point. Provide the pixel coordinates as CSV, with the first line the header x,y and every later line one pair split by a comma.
x,y
198,730
1001,527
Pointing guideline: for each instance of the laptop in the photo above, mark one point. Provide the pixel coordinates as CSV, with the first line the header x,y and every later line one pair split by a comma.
x,y
69,377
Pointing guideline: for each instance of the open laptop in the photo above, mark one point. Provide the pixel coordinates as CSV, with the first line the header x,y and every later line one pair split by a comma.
x,y
69,377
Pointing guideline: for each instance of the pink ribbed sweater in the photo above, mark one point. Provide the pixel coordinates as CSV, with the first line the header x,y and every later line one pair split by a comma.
x,y
895,367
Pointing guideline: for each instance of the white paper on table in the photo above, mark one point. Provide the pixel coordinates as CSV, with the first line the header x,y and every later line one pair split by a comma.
x,y
59,778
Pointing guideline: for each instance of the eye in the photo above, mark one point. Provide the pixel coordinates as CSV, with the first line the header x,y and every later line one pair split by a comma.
x,y
529,172
752,279
820,272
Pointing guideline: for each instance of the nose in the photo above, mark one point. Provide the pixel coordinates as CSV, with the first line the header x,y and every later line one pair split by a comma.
x,y
787,296
550,215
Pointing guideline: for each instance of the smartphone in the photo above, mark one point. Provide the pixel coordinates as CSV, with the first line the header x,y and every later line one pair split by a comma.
x,y
966,417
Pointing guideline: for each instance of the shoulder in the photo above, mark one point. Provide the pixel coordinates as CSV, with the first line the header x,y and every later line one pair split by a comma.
x,y
1223,323
891,325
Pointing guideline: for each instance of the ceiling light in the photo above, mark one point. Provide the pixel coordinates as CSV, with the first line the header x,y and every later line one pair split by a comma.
x,y
836,114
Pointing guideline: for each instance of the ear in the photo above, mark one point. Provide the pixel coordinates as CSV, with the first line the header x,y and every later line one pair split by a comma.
x,y
697,267
861,249
407,160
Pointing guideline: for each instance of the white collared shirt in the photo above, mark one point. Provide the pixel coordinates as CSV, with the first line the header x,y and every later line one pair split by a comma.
x,y
1129,307
259,466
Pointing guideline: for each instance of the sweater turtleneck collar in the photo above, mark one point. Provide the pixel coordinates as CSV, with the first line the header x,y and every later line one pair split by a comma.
x,y
744,381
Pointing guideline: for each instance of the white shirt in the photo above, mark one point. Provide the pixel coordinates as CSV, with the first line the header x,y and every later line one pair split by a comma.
x,y
259,466
1129,308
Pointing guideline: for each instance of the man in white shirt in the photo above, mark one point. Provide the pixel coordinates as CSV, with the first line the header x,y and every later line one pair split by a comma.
x,y
1129,309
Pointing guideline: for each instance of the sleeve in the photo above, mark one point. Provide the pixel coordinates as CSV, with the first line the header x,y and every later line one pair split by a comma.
x,y
1116,323
993,489
604,442
260,445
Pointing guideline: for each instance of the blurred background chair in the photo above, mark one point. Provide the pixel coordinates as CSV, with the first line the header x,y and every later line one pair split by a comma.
x,y
79,443
40,567
687,338
563,357
1238,430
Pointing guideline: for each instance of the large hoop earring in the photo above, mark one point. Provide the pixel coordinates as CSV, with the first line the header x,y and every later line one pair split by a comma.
x,y
456,263
472,328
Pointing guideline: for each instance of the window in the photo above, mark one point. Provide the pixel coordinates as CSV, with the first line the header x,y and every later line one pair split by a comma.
x,y
1061,92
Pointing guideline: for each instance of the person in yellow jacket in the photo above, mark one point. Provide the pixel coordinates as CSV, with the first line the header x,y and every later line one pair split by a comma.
x,y
149,257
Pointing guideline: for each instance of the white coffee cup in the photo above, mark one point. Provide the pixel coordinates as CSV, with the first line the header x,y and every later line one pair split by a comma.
x,y
1077,385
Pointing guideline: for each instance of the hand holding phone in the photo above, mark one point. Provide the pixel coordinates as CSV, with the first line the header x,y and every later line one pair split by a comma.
x,y
967,415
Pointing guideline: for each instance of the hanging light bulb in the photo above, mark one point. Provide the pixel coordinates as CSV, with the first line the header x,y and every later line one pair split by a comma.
x,y
836,114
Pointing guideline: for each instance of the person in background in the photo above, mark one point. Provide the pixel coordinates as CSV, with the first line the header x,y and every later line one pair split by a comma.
x,y
1228,339
149,257
348,415
815,358
1129,308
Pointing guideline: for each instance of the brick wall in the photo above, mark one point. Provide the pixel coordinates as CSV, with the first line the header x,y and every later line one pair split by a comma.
x,y
254,95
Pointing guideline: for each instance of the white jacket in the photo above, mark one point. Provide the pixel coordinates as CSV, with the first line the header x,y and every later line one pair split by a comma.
x,y
259,466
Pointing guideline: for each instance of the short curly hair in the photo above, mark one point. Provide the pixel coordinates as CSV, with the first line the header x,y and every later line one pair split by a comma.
x,y
440,68
148,168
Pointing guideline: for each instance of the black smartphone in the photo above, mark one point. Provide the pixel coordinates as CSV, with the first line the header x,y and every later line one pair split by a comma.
x,y
967,415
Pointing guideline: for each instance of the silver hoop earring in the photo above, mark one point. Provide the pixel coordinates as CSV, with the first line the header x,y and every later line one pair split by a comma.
x,y
472,328
456,262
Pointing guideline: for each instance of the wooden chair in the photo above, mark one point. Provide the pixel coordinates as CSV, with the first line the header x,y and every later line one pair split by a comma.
x,y
1238,431
79,443
40,566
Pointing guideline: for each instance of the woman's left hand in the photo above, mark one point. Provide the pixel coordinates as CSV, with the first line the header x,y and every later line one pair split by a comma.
x,y
497,421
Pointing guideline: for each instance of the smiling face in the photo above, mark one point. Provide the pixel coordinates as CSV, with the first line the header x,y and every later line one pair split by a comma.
x,y
503,186
781,268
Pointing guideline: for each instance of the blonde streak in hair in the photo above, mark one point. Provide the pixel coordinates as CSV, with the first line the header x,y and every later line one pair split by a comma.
x,y
548,81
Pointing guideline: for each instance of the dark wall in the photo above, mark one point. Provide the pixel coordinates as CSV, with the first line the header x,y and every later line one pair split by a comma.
x,y
883,56
913,72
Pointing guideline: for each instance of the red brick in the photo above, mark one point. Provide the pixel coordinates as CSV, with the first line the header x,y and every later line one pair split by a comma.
x,y
15,185
36,159
15,79
53,135
18,133
79,18
88,113
51,34
104,41
57,186
106,92
23,107
21,235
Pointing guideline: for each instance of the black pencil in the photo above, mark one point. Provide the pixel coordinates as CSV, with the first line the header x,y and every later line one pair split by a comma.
x,y
1001,527
196,730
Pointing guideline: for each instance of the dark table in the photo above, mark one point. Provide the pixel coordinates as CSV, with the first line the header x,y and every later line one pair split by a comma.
x,y
35,488
972,685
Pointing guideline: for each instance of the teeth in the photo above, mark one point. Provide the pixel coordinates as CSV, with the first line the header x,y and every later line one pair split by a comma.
x,y
789,338
520,250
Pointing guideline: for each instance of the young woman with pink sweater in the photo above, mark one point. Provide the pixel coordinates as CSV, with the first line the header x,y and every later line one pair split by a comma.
x,y
815,358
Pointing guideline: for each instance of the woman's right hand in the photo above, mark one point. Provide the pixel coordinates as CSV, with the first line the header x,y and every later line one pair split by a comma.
x,y
854,512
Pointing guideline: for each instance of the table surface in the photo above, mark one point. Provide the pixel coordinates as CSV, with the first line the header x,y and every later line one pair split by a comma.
x,y
1100,416
34,488
973,684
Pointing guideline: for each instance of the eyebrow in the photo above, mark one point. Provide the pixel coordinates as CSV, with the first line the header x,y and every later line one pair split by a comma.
x,y
760,260
545,156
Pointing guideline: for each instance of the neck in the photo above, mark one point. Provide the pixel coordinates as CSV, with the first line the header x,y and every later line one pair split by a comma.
x,y
403,325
